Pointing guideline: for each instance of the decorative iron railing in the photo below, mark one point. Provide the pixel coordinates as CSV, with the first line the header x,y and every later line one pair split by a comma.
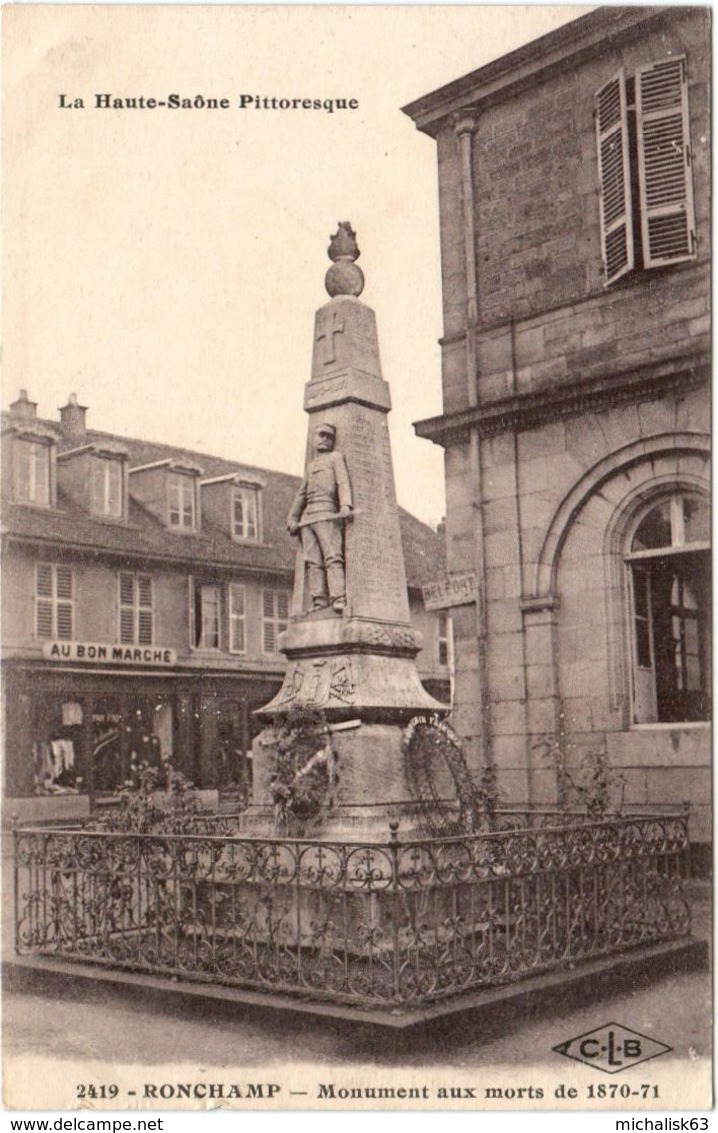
x,y
390,924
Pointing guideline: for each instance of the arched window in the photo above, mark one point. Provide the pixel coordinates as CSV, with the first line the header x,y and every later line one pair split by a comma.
x,y
668,563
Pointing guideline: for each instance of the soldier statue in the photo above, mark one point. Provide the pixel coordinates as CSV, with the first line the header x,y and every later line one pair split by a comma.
x,y
320,508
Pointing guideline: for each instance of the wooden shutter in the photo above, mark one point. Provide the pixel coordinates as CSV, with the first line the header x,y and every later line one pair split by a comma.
x,y
144,612
668,226
127,607
192,614
269,633
237,640
63,577
614,179
43,600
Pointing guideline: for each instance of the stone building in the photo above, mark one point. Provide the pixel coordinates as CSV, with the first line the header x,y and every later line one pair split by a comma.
x,y
144,591
575,256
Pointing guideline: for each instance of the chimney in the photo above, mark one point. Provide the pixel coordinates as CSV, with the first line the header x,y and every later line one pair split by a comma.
x,y
72,421
23,407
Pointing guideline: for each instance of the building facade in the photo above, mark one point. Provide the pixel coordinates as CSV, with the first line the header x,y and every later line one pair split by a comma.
x,y
145,590
575,256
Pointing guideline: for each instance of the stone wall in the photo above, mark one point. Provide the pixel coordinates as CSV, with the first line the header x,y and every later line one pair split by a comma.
x,y
557,475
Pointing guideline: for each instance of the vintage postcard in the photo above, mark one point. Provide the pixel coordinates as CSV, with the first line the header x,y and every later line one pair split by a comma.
x,y
356,599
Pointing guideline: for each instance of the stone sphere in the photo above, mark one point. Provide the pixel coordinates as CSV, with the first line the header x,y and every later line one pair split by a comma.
x,y
344,278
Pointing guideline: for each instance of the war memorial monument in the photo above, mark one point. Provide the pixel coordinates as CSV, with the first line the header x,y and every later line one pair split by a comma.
x,y
374,875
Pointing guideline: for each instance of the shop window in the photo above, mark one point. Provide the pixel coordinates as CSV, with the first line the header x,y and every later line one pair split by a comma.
x,y
275,615
56,747
53,601
669,573
33,469
245,512
644,161
136,613
108,487
237,619
128,733
181,490
204,615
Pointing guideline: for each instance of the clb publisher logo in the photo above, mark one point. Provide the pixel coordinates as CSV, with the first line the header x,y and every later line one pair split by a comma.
x,y
612,1048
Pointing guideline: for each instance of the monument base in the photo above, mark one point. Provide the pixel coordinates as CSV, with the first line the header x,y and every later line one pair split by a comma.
x,y
368,787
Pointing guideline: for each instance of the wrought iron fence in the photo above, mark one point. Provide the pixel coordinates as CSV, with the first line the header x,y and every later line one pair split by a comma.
x,y
390,924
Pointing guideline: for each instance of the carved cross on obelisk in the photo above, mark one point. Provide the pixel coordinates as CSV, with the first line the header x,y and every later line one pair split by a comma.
x,y
331,326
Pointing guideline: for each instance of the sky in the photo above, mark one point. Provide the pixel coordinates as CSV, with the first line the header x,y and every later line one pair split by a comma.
x,y
165,265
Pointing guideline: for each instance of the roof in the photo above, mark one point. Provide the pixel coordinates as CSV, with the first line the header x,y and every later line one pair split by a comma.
x,y
531,63
144,536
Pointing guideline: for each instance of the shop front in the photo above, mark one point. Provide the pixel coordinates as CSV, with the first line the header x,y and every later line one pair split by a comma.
x,y
75,736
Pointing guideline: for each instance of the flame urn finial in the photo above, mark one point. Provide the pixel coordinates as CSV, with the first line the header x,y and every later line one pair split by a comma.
x,y
344,277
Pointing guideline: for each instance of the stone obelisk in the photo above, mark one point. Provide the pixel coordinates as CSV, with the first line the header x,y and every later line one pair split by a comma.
x,y
354,659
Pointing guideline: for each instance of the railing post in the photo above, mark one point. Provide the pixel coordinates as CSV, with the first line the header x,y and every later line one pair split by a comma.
x,y
394,852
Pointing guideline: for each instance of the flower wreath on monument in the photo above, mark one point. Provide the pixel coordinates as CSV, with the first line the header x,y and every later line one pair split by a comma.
x,y
427,742
304,774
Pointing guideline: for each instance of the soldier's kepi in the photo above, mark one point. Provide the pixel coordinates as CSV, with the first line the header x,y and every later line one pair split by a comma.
x,y
320,508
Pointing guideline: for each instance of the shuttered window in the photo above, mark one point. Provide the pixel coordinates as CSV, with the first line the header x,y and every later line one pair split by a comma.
x,y
664,163
53,601
615,179
275,615
647,216
136,608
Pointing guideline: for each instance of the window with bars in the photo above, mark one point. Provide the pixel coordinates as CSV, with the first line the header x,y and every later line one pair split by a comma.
x,y
136,608
668,565
107,487
644,161
181,490
275,615
237,618
32,470
54,616
245,513
204,615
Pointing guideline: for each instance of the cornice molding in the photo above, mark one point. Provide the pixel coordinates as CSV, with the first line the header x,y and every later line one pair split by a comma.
x,y
526,411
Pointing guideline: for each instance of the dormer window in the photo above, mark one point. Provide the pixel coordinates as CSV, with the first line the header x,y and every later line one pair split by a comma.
x,y
245,512
108,487
33,473
182,502
234,499
33,479
168,489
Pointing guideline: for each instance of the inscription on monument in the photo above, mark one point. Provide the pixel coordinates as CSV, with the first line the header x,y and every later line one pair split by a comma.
x,y
377,564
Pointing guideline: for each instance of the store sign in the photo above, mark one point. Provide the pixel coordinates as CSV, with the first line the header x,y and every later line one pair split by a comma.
x,y
453,590
108,654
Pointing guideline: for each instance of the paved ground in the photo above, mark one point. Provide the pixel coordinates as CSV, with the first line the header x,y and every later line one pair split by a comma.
x,y
107,1026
